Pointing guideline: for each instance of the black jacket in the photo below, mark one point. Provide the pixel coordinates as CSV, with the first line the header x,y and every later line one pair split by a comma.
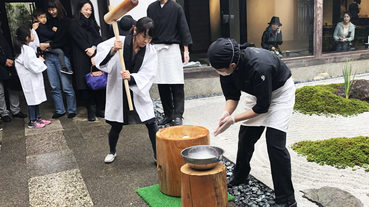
x,y
271,39
259,73
5,53
82,38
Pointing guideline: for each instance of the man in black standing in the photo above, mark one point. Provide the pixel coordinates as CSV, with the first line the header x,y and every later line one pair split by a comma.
x,y
8,81
171,31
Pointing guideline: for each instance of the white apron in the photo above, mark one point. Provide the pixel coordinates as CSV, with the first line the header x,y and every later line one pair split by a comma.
x,y
280,109
170,66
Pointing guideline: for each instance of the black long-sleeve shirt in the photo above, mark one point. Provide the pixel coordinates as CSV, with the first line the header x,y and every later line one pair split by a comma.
x,y
170,23
44,33
62,39
259,73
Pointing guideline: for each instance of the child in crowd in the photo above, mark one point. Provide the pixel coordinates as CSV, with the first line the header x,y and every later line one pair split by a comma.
x,y
30,69
46,34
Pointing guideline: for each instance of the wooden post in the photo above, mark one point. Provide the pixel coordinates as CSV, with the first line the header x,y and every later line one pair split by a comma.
x,y
120,52
169,144
204,188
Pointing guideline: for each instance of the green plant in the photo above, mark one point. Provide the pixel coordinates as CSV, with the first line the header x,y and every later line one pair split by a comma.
x,y
338,152
320,99
347,73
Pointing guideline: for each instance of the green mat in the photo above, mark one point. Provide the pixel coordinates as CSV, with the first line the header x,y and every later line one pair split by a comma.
x,y
155,198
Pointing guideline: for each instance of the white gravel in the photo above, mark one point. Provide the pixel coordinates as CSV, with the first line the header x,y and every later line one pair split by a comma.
x,y
305,175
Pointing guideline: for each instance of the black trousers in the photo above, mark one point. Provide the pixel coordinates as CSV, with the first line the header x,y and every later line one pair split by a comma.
x,y
172,99
279,158
116,127
90,96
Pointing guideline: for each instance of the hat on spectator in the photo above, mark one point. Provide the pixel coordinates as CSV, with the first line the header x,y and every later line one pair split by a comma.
x,y
125,24
275,20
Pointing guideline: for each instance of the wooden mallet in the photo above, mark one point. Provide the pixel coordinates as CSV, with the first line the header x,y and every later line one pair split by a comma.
x,y
111,18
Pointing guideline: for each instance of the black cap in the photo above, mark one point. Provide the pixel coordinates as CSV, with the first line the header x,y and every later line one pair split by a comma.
x,y
125,24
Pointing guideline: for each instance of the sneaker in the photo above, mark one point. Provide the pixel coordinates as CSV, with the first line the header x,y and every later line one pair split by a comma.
x,y
1,129
110,158
66,71
35,124
43,121
20,115
6,118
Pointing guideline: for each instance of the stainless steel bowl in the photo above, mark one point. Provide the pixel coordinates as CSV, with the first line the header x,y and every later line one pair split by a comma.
x,y
202,157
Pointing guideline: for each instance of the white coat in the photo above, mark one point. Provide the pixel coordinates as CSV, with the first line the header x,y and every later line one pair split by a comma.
x,y
29,69
114,90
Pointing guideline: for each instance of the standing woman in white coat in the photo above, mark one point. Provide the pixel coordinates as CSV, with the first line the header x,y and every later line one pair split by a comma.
x,y
141,66
29,69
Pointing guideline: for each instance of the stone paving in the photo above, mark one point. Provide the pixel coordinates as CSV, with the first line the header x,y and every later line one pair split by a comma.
x,y
305,175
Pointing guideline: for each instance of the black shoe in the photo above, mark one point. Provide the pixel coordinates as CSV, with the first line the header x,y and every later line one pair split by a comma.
x,y
236,181
91,115
100,114
177,121
56,115
71,115
288,204
164,121
20,115
6,118
66,71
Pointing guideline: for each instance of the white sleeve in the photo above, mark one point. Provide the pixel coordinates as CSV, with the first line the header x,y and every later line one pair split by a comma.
x,y
103,49
145,77
36,42
31,62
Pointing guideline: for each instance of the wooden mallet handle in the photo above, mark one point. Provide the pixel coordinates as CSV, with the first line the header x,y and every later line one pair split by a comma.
x,y
120,52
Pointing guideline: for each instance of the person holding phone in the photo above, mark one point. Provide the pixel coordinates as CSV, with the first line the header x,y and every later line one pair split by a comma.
x,y
272,36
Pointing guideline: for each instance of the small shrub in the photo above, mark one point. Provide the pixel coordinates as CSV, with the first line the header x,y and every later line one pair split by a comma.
x,y
338,152
320,99
348,80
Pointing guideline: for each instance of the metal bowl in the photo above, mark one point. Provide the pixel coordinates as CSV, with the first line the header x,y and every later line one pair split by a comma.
x,y
202,157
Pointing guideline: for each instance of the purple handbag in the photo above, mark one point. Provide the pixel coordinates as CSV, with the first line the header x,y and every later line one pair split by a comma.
x,y
96,80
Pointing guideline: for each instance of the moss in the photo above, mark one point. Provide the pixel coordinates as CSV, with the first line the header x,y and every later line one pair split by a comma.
x,y
320,99
338,152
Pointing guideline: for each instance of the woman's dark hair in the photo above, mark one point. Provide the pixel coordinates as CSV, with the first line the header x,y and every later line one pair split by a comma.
x,y
348,13
59,6
20,39
78,14
144,24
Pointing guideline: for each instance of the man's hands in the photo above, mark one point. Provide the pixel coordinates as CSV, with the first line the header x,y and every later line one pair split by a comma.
x,y
224,125
9,63
223,116
186,57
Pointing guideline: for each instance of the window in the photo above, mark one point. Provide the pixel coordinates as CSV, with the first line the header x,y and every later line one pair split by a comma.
x,y
345,25
296,17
